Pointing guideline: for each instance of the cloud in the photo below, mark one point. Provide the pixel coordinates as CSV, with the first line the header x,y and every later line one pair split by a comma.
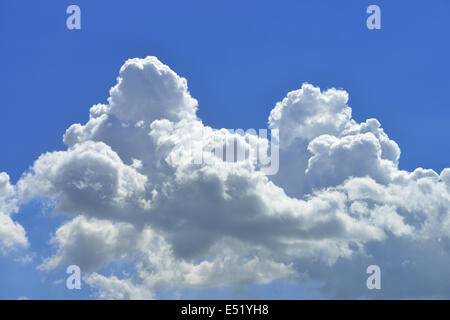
x,y
308,113
132,184
147,90
12,234
88,178
91,243
112,288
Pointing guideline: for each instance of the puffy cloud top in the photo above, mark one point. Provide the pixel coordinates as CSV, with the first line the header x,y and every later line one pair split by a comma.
x,y
148,90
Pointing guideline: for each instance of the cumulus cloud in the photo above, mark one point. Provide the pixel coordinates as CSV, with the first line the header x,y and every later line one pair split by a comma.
x,y
135,190
12,234
147,90
91,243
112,288
89,177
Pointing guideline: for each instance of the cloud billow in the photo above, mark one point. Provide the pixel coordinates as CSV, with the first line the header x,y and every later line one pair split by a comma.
x,y
338,203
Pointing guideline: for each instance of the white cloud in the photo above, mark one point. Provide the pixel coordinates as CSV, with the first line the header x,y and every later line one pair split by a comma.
x,y
12,234
308,113
147,90
88,178
91,243
338,203
158,268
112,288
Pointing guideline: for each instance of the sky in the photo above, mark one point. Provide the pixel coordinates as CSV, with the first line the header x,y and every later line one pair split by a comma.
x,y
240,58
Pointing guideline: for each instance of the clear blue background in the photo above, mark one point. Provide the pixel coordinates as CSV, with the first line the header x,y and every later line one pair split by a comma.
x,y
240,58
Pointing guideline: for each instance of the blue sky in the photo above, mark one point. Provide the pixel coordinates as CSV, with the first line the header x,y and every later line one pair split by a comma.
x,y
240,58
